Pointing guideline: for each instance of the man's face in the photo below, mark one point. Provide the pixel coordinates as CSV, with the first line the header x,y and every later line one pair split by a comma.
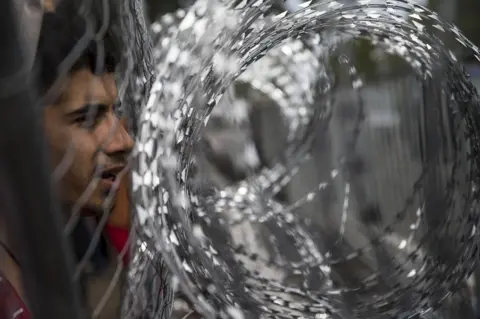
x,y
89,146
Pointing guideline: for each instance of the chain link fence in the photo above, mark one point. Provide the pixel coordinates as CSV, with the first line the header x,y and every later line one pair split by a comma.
x,y
71,72
72,75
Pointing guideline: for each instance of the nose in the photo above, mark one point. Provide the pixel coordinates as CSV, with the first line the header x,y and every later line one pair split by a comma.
x,y
119,141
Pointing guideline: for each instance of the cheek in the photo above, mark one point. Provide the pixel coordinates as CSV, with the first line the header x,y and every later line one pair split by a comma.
x,y
58,138
75,148
83,151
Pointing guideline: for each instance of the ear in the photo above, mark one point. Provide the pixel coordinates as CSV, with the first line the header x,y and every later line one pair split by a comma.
x,y
120,216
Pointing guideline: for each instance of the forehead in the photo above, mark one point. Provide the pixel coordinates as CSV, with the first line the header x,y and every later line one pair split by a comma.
x,y
85,87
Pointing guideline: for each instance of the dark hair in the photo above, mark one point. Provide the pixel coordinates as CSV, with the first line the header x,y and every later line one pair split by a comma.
x,y
68,37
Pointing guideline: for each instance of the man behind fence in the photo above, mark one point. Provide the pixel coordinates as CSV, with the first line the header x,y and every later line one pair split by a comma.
x,y
88,145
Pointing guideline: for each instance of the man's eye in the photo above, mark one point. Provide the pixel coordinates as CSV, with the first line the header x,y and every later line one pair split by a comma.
x,y
89,122
90,115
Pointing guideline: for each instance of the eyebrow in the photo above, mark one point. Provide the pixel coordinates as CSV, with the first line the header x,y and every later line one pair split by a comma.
x,y
89,108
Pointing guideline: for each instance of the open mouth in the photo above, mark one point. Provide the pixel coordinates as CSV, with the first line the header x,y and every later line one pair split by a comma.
x,y
108,176
111,175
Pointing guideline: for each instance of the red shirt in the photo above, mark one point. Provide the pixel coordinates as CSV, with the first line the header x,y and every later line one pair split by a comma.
x,y
11,306
119,238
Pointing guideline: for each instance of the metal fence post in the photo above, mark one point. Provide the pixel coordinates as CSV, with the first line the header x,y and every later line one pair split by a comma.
x,y
33,220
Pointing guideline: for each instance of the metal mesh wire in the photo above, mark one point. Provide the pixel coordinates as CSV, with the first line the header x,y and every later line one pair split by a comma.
x,y
65,234
82,110
236,246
